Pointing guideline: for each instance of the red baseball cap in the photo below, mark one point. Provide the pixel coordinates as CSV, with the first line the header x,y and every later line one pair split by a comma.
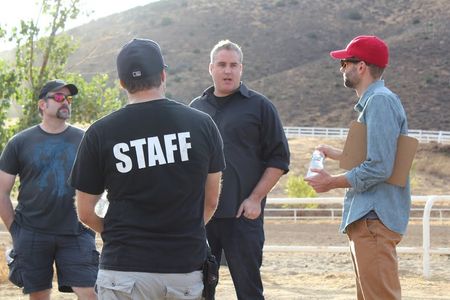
x,y
368,48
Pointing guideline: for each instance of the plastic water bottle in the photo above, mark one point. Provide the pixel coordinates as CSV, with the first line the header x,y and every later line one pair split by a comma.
x,y
315,163
101,207
9,258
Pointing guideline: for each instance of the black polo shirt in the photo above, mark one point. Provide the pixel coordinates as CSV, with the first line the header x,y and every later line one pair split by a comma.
x,y
253,139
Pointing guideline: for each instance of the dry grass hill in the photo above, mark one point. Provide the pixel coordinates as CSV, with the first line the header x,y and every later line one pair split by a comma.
x,y
286,45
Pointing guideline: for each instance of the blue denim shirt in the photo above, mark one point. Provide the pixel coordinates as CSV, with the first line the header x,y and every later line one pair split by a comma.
x,y
385,118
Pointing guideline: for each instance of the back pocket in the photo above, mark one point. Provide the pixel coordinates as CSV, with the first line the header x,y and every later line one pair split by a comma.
x,y
107,284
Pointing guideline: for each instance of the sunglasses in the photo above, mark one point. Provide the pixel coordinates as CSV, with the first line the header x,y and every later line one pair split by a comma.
x,y
345,62
60,97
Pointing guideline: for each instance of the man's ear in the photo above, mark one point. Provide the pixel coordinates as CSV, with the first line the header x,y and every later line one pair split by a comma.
x,y
42,104
210,68
163,75
122,85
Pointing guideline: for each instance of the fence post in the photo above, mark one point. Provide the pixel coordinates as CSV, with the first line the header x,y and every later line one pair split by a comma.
x,y
426,236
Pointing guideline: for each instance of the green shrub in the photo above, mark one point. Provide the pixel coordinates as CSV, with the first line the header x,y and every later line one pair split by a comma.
x,y
312,35
354,15
166,21
296,187
280,3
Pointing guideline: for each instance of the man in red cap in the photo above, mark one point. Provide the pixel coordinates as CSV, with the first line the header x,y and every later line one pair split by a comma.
x,y
376,213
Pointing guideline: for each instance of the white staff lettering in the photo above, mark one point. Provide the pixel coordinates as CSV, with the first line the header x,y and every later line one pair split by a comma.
x,y
155,154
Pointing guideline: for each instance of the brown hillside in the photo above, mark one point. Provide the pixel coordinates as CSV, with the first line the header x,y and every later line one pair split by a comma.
x,y
286,45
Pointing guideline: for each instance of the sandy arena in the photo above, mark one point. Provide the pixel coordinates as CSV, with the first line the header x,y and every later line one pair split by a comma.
x,y
300,275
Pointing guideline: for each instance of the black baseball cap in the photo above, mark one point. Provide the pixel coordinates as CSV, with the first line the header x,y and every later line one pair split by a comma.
x,y
139,58
57,84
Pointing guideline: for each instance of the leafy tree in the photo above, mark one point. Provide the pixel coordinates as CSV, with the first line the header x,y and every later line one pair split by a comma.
x,y
95,99
39,59
41,55
7,80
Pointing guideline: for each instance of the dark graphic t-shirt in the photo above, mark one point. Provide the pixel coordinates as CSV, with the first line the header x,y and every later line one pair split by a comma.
x,y
43,162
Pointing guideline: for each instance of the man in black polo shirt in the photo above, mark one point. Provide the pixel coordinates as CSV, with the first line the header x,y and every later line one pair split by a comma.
x,y
257,155
161,163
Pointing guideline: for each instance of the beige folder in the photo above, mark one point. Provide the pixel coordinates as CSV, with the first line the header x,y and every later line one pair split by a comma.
x,y
355,152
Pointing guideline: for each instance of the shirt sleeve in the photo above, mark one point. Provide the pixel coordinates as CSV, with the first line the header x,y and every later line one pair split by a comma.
x,y
217,158
9,159
275,148
86,174
383,130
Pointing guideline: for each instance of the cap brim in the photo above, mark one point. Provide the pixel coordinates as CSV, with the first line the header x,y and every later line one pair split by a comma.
x,y
340,54
72,88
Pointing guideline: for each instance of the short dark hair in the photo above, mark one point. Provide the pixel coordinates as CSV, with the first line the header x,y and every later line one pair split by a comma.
x,y
375,71
146,83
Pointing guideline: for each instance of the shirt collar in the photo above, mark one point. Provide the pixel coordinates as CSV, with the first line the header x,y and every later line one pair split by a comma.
x,y
363,100
243,90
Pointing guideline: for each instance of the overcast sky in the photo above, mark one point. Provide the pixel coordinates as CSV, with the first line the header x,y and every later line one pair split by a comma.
x,y
15,10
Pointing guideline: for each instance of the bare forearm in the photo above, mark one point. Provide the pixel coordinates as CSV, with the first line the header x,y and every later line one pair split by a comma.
x,y
339,181
86,210
212,191
6,207
94,222
208,213
268,180
6,210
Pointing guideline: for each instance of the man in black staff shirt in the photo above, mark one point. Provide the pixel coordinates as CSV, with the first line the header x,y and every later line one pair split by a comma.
x,y
257,155
161,163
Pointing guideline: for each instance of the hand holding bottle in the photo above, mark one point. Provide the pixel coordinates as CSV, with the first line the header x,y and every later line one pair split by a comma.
x,y
316,162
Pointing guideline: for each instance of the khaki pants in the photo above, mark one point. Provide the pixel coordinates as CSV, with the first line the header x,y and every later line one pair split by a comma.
x,y
373,249
119,285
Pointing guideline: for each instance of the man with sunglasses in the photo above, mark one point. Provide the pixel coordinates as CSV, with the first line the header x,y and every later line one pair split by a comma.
x,y
376,213
44,226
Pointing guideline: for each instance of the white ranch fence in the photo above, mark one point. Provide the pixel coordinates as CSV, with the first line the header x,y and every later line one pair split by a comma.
x,y
424,136
425,250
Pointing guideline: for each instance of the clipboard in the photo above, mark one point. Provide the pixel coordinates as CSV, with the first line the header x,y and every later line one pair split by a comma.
x,y
355,152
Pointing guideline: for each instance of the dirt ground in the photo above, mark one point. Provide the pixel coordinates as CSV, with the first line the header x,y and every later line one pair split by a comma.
x,y
301,275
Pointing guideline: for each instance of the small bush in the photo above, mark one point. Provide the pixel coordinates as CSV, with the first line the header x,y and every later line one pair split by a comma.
x,y
296,187
312,35
166,21
280,3
354,15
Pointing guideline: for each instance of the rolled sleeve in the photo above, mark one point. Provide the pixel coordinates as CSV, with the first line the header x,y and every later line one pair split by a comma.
x,y
274,146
